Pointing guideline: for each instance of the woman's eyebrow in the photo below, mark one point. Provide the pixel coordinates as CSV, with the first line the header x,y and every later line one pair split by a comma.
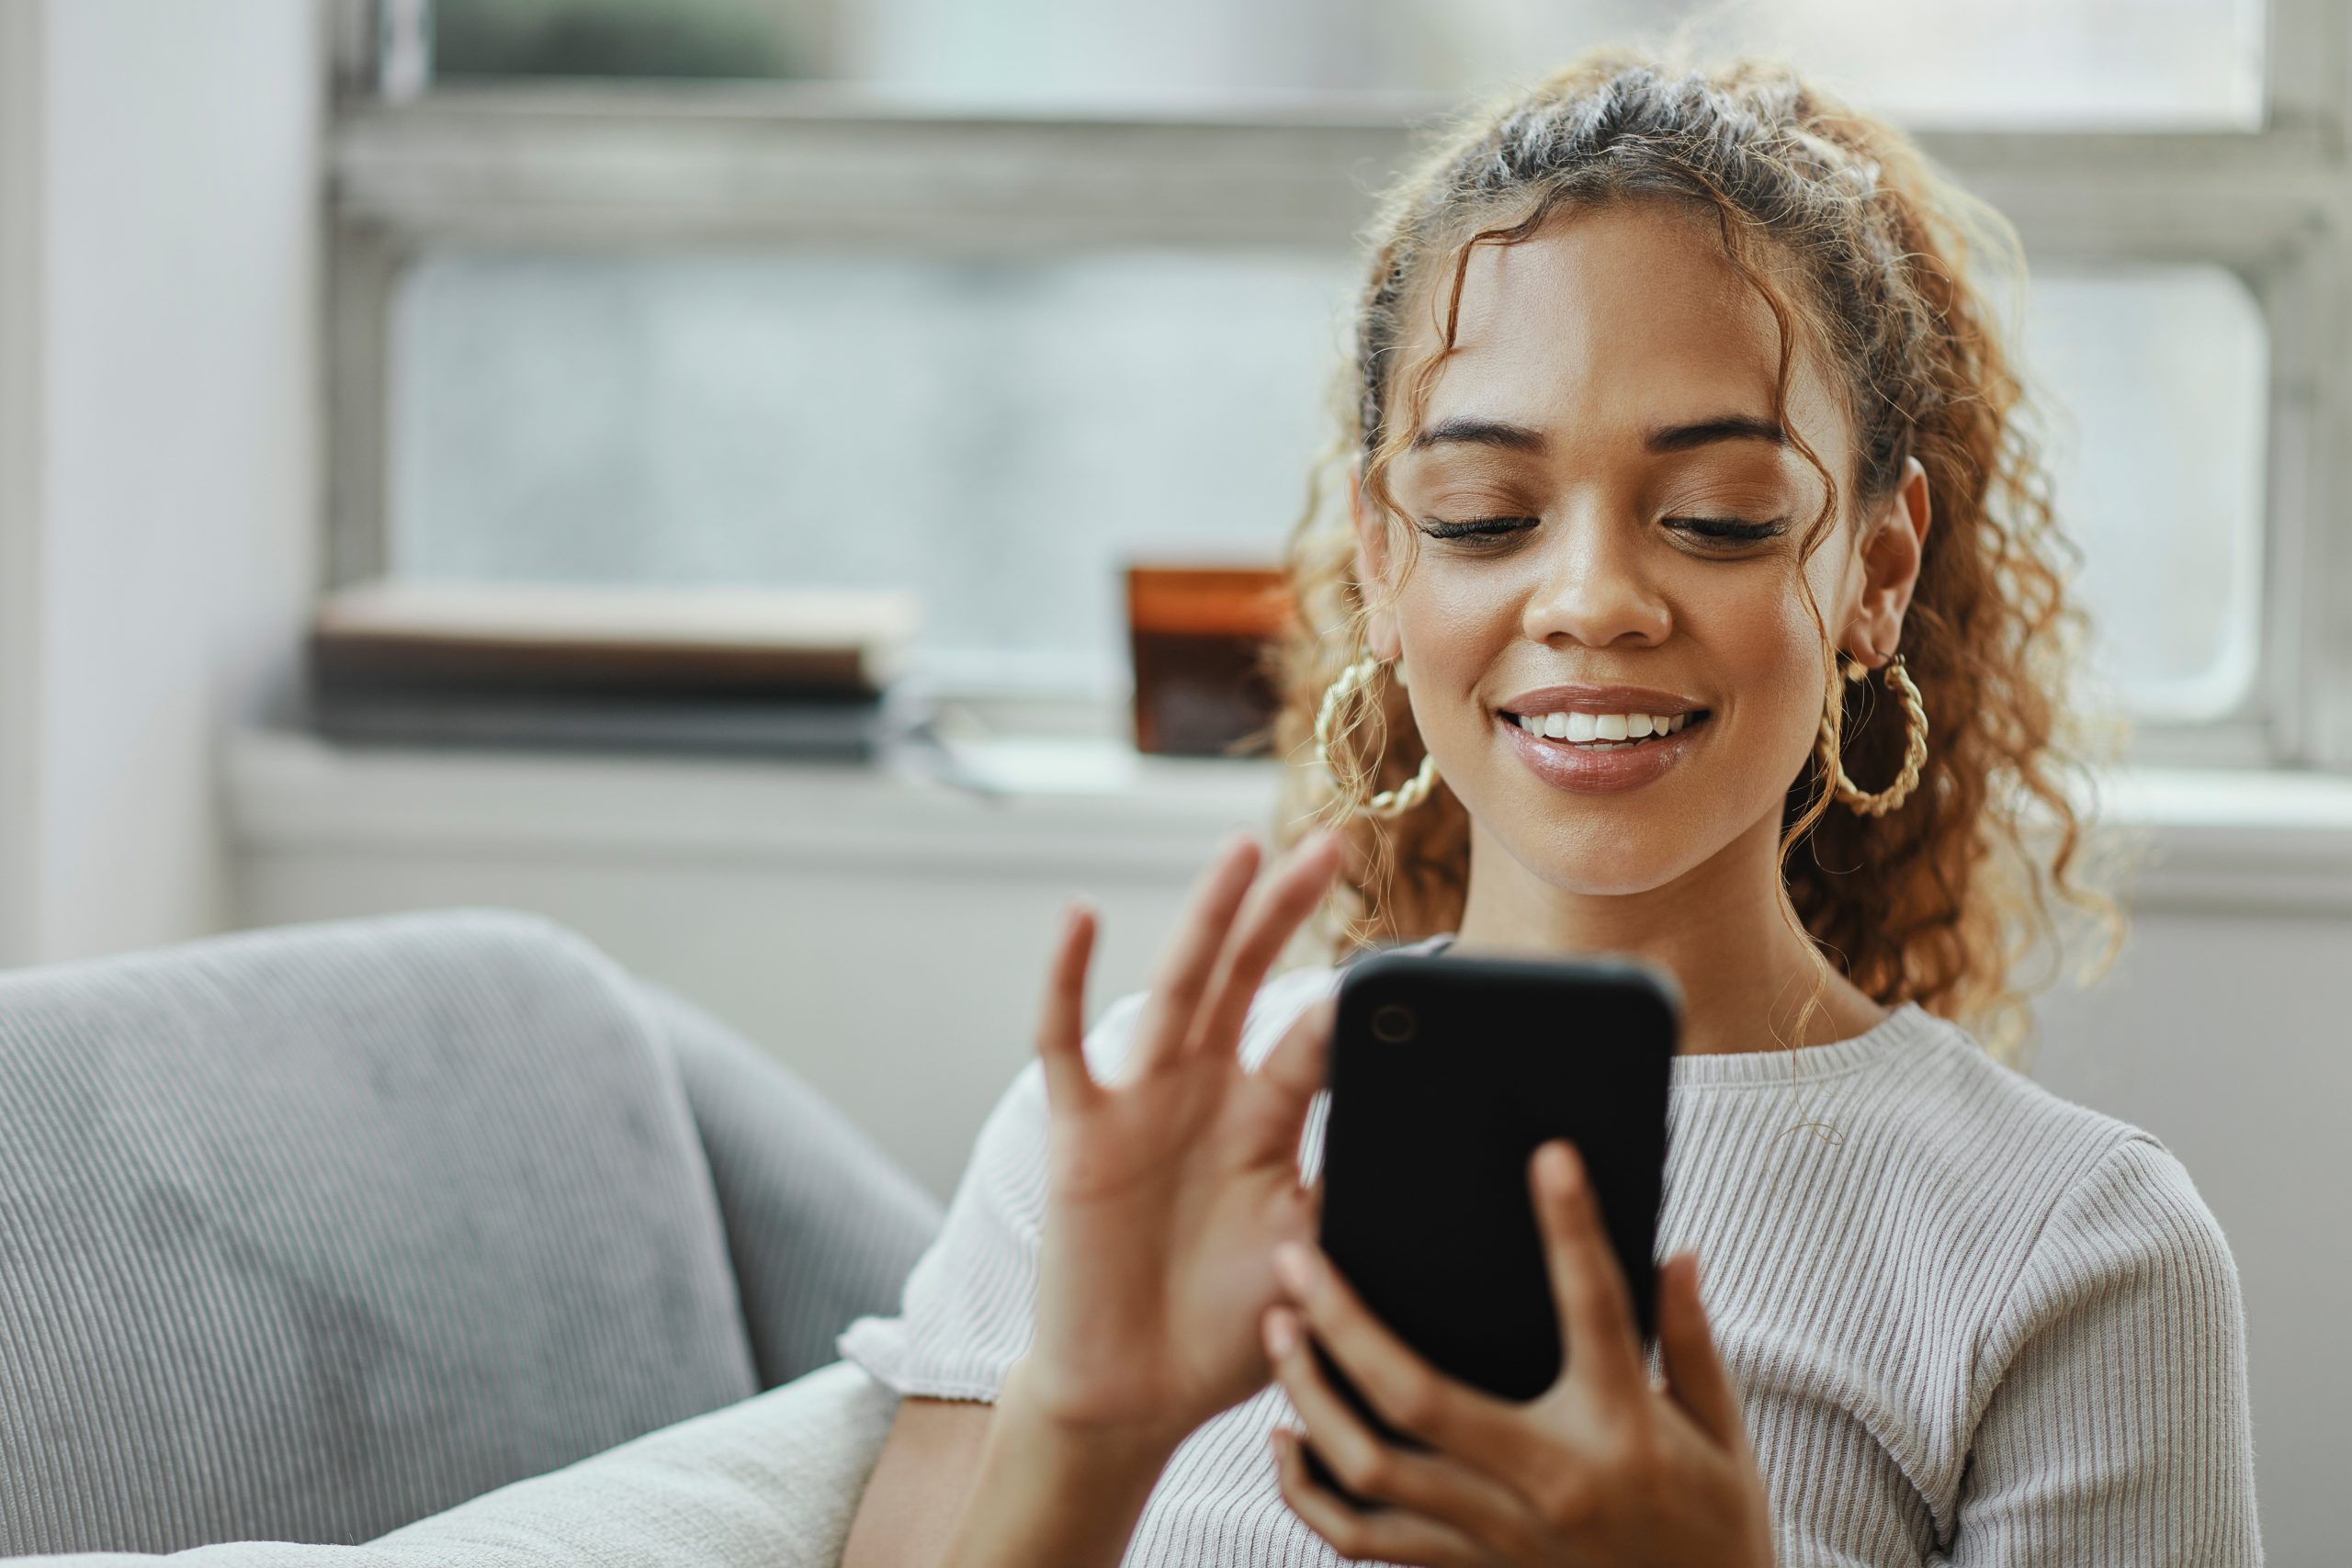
x,y
1471,430
1706,432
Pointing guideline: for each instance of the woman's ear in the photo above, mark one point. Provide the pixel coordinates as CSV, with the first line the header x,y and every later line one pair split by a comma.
x,y
1381,637
1891,553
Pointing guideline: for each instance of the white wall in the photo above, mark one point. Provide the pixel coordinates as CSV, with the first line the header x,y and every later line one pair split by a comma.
x,y
157,521
21,104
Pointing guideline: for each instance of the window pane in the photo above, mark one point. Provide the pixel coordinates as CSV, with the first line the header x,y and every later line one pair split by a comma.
x,y
1001,436
1004,435
2072,62
2159,381
2087,64
741,38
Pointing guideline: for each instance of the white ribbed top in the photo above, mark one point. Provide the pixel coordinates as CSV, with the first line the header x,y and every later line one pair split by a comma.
x,y
1971,1323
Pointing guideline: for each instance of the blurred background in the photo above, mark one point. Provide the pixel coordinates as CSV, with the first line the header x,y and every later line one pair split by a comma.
x,y
950,373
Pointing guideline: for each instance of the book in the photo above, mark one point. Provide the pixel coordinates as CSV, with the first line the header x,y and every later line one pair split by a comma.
x,y
802,674
832,732
611,640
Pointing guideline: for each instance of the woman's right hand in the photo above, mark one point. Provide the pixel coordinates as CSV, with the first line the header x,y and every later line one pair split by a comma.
x,y
1171,1186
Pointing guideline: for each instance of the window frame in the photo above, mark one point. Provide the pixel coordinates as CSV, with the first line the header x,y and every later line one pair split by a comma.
x,y
625,167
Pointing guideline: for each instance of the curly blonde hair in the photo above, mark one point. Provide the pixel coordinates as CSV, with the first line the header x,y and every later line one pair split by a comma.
x,y
1938,900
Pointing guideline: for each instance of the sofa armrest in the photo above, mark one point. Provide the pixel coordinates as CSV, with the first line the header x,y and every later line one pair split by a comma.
x,y
772,1481
821,1228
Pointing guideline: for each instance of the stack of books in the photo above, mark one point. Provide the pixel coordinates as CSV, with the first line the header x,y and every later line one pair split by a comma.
x,y
801,673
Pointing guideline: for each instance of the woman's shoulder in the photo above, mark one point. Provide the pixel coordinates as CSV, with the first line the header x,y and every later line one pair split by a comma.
x,y
2119,1322
2010,1289
2081,1197
1940,1172
1948,1094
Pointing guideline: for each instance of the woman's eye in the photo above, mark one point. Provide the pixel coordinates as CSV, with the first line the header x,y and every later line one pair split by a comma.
x,y
1486,528
1715,531
1728,530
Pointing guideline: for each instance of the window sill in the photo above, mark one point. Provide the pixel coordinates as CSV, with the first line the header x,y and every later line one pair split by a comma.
x,y
2253,841
1038,803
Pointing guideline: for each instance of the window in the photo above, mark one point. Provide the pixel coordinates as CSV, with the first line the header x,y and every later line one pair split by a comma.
x,y
2156,378
1001,433
849,324
2038,63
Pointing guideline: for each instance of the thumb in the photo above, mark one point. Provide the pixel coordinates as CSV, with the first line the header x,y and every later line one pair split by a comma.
x,y
1694,1372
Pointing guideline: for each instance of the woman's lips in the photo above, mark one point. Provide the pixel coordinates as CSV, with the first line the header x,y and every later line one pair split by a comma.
x,y
1603,767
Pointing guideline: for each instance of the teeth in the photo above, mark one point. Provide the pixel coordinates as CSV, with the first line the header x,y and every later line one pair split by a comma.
x,y
1579,727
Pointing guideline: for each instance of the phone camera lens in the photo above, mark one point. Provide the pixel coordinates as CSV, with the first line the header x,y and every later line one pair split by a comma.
x,y
1392,1024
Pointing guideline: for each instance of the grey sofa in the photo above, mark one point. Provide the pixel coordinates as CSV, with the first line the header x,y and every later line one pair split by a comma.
x,y
439,1232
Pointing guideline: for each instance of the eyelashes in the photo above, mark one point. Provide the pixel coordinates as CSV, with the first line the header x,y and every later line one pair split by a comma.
x,y
1476,527
1715,530
1733,530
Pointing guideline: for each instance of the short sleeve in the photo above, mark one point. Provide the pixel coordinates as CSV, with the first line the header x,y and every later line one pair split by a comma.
x,y
2117,1428
970,1307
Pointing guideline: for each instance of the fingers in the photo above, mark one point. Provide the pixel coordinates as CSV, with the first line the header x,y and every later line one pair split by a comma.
x,y
1183,978
1390,1535
1277,905
1694,1372
1443,1490
1231,937
1603,1347
1061,1035
1406,1391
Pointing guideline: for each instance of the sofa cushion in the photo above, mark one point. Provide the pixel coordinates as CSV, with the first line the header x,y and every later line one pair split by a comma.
x,y
770,1483
309,1232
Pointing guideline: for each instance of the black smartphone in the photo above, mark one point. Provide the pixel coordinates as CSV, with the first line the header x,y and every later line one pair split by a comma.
x,y
1447,1075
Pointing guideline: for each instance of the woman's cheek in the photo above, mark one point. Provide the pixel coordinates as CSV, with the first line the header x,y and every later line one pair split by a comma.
x,y
1456,627
1795,661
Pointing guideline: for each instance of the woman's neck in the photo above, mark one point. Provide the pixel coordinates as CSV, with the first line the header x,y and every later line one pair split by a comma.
x,y
1718,928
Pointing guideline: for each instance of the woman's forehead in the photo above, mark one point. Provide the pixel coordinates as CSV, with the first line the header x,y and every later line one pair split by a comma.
x,y
1615,321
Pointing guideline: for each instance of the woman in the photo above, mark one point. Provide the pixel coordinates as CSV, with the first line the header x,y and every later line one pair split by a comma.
x,y
1676,435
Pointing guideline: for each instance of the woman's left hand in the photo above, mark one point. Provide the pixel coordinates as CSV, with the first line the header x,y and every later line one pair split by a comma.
x,y
1604,1468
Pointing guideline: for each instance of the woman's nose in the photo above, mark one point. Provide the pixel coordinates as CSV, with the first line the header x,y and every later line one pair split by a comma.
x,y
1593,588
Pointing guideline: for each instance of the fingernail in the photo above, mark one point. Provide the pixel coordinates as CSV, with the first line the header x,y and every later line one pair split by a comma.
x,y
1295,1267
1281,1333
1560,1169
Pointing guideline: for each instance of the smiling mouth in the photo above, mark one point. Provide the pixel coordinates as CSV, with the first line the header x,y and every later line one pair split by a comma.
x,y
1599,741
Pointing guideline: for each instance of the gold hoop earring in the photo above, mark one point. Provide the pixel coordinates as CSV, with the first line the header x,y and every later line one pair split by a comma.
x,y
1915,746
1388,802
